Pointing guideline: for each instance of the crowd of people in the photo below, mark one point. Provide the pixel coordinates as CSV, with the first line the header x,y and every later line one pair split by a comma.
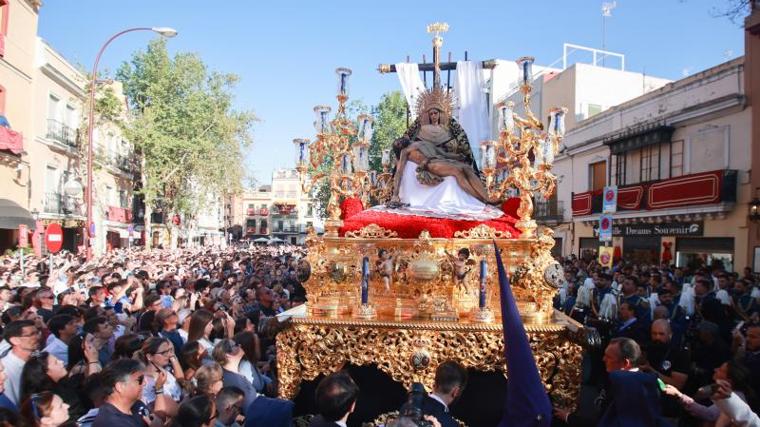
x,y
134,338
691,334
186,337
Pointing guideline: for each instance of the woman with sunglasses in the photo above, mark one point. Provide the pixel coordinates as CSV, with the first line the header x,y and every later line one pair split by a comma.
x,y
45,409
229,354
161,387
45,372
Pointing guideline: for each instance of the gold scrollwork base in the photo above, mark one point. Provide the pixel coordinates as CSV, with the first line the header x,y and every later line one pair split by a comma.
x,y
410,351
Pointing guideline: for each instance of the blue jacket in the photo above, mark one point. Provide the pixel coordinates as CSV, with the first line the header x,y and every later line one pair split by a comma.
x,y
634,401
268,412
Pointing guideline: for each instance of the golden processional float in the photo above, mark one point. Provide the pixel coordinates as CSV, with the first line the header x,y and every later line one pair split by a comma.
x,y
378,297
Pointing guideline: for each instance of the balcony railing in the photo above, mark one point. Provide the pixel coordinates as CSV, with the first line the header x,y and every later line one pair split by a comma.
x,y
703,188
62,133
296,229
548,211
56,203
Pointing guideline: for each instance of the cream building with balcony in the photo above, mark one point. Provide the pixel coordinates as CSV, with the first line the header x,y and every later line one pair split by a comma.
x,y
18,38
59,153
680,158
59,166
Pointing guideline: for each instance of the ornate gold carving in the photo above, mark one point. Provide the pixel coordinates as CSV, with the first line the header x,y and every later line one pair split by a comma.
x,y
388,417
482,231
410,351
372,231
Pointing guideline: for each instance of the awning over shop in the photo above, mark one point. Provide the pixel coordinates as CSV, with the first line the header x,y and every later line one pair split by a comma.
x,y
12,215
639,137
11,140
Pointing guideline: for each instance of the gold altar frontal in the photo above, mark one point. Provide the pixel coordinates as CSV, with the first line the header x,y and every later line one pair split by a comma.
x,y
429,312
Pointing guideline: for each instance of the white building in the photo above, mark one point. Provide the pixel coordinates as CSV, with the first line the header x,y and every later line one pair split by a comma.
x,y
680,158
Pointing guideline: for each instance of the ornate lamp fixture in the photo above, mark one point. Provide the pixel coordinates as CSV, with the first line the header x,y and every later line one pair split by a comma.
x,y
522,158
339,155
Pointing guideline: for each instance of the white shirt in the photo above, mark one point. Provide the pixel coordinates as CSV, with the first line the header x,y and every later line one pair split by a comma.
x,y
58,348
13,367
723,297
171,388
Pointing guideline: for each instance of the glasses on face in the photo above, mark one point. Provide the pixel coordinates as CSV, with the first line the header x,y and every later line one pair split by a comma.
x,y
166,352
35,410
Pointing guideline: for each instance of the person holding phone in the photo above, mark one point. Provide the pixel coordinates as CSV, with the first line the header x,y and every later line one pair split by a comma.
x,y
161,390
734,373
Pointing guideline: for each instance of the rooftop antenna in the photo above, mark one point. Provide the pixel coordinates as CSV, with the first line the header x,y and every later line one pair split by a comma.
x,y
606,13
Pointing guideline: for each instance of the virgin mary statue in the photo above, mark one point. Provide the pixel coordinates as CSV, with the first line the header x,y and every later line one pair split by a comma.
x,y
436,174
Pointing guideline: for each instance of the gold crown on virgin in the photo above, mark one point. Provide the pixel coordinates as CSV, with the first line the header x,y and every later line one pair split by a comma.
x,y
438,98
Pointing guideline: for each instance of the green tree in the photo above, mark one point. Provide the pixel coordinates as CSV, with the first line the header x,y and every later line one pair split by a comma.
x,y
390,124
185,131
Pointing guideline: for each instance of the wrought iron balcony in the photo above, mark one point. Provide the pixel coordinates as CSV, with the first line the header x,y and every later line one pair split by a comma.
x,y
56,203
549,211
62,133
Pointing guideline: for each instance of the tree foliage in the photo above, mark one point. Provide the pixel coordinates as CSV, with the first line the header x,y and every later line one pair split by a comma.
x,y
184,127
390,124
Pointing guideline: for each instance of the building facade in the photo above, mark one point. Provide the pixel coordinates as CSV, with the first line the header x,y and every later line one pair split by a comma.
x,y
18,45
43,142
59,166
277,211
678,156
752,86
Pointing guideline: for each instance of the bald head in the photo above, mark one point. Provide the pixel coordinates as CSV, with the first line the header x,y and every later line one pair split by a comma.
x,y
661,331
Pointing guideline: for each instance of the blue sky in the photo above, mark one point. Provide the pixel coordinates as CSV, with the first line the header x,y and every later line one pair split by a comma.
x,y
286,52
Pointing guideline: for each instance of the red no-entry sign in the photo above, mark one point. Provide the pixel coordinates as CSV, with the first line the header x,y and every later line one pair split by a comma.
x,y
54,237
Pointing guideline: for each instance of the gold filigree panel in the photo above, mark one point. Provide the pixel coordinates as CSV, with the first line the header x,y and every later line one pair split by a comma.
x,y
482,231
372,231
408,355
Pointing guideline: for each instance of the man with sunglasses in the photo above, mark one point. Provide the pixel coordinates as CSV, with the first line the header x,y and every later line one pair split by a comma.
x,y
124,379
24,338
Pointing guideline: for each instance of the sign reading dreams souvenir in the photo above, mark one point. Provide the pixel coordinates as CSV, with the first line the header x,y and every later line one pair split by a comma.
x,y
695,228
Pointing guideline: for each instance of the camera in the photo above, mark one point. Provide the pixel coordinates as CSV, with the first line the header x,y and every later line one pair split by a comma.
x,y
412,409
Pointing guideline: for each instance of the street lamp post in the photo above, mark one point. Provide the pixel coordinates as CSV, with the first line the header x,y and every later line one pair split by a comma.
x,y
164,31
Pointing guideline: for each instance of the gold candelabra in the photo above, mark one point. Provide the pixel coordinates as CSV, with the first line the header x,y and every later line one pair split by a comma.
x,y
340,155
522,158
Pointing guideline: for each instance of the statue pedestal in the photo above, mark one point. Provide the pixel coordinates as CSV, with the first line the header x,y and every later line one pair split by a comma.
x,y
410,351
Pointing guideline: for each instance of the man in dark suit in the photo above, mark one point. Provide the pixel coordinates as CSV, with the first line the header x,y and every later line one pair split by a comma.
x,y
336,399
629,325
268,412
450,381
626,395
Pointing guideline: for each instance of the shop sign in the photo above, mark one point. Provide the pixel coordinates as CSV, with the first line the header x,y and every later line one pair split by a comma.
x,y
694,228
